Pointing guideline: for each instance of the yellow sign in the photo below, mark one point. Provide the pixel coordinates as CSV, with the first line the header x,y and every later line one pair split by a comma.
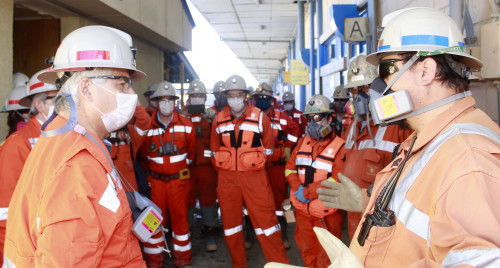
x,y
286,77
299,73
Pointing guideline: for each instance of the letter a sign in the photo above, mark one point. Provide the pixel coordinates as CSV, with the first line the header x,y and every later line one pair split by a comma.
x,y
355,29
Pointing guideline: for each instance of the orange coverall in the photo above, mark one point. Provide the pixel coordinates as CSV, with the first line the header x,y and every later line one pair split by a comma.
x,y
13,155
446,201
363,163
243,181
71,208
299,119
327,152
170,185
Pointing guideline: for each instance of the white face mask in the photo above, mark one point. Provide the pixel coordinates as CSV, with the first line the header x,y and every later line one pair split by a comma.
x,y
197,101
167,107
289,106
236,104
119,117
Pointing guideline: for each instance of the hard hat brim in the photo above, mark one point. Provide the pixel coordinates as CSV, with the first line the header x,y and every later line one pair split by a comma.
x,y
50,75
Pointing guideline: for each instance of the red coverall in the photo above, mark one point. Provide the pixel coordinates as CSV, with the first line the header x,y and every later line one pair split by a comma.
x,y
286,134
170,185
203,174
120,150
242,146
13,155
71,208
299,119
311,163
363,163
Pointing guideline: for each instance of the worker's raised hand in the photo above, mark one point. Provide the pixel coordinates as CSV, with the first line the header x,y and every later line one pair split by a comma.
x,y
345,195
340,255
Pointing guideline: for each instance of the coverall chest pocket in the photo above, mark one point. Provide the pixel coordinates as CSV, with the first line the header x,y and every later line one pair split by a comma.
x,y
224,159
373,164
252,159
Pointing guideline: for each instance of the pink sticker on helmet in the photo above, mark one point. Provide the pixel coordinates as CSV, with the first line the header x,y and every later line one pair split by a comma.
x,y
92,55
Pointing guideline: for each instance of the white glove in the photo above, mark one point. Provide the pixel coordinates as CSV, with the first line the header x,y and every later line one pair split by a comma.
x,y
345,195
340,255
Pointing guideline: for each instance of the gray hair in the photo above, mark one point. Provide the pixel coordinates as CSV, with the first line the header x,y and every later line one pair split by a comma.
x,y
40,96
70,87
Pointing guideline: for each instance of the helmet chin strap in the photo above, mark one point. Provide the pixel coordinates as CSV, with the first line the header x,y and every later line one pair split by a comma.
x,y
401,71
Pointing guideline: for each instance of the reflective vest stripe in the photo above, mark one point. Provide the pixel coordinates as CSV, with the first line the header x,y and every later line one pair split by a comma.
x,y
182,248
249,127
261,114
157,160
415,220
301,161
283,122
291,138
276,126
155,132
279,213
7,263
184,237
180,129
207,153
157,250
224,128
380,144
296,115
3,213
32,141
322,165
196,119
140,131
269,231
483,257
289,171
178,158
269,151
234,230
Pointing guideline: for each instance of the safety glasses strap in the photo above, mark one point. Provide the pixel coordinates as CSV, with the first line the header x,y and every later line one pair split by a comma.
x,y
402,71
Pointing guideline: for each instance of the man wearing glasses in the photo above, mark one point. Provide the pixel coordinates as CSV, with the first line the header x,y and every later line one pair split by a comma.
x,y
316,158
242,143
15,150
286,134
70,204
439,196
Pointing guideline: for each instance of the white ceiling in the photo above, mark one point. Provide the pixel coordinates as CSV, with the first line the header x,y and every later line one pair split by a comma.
x,y
258,31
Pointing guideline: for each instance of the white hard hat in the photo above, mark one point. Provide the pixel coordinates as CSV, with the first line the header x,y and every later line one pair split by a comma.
x,y
19,79
196,87
264,89
235,82
340,93
163,89
36,86
317,104
360,72
94,47
423,30
219,87
16,99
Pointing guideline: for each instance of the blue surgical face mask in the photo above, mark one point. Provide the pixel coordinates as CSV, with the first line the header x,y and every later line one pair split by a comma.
x,y
263,104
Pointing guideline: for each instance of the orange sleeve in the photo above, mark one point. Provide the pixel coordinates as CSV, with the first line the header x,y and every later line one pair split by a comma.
x,y
215,141
291,170
292,131
267,136
191,140
138,130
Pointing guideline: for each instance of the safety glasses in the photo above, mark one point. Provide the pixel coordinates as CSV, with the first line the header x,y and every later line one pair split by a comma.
x,y
388,67
121,79
261,97
315,117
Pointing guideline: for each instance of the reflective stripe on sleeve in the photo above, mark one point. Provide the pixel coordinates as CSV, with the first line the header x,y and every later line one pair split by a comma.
x,y
207,153
289,171
484,257
182,248
189,161
261,128
3,213
32,141
234,230
269,231
155,132
180,129
196,119
276,126
269,151
178,158
157,160
140,131
249,127
283,122
296,115
291,138
184,237
280,213
157,250
155,240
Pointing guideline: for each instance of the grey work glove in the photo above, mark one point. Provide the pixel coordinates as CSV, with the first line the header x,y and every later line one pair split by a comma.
x,y
345,195
340,255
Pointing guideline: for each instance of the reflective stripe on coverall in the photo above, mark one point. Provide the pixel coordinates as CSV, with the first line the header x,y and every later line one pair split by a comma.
x,y
446,200
286,134
370,156
171,195
72,208
13,155
242,146
311,163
